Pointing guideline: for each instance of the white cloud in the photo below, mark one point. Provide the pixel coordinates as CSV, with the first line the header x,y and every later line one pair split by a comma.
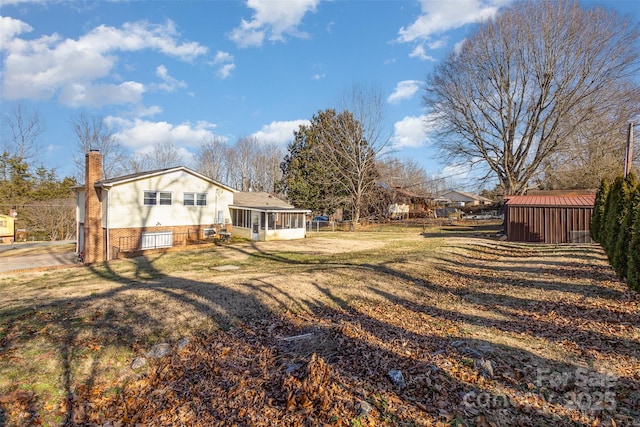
x,y
98,95
169,84
404,90
421,54
222,57
10,28
225,63
440,16
272,20
141,135
318,76
76,68
458,46
279,132
410,132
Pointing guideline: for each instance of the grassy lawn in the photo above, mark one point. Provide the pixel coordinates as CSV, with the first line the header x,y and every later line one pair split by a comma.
x,y
484,333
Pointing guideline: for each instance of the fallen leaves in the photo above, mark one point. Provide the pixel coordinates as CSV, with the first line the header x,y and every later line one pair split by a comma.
x,y
489,335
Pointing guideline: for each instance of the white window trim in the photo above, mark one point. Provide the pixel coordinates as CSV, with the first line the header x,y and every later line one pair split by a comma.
x,y
195,199
158,198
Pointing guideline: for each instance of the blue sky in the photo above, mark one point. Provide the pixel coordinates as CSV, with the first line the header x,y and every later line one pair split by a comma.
x,y
182,71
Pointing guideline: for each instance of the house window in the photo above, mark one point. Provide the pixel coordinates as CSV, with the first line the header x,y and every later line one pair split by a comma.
x,y
157,240
195,199
152,198
165,199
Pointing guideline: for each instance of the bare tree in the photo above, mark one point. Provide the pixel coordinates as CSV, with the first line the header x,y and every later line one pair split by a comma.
x,y
403,173
211,158
165,155
93,134
53,218
354,141
597,149
266,167
523,84
23,130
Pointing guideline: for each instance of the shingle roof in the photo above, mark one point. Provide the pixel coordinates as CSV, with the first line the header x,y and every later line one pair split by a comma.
x,y
568,200
466,194
258,199
147,174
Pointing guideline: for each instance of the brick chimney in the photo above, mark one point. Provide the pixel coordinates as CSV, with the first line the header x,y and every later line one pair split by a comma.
x,y
94,250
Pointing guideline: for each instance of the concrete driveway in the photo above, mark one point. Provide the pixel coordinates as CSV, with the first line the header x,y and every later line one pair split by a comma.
x,y
40,261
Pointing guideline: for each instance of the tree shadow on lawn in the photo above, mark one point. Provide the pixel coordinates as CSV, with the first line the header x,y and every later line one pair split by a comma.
x,y
491,247
558,278
92,326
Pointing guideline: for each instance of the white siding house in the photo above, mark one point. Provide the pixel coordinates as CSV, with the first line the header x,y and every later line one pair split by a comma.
x,y
146,210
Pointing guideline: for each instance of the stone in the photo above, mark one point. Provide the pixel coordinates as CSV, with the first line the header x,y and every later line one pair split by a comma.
x,y
365,408
182,343
291,368
159,350
397,378
486,367
138,363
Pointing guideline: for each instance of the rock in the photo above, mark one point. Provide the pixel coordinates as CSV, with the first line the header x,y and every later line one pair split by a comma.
x,y
365,408
486,367
397,379
138,363
291,368
158,351
182,343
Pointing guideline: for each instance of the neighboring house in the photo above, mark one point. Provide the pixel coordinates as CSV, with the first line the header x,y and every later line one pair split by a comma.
x,y
7,228
558,218
407,203
261,216
149,210
462,199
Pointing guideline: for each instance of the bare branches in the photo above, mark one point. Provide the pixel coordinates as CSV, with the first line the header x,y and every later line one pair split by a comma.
x,y
23,129
93,134
523,84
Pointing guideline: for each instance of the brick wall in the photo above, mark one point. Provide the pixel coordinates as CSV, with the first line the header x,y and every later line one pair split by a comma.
x,y
94,246
123,240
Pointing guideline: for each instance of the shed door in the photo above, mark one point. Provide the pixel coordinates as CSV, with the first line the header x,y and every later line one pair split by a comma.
x,y
157,240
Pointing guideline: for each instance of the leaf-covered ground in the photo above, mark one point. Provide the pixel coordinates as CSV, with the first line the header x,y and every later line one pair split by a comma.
x,y
484,333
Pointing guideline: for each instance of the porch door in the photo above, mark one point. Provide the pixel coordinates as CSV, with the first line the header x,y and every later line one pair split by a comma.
x,y
255,225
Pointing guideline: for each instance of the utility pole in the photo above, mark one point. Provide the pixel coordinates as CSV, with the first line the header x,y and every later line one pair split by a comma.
x,y
628,156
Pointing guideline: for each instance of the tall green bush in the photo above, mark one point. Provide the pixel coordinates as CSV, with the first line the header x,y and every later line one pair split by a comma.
x,y
622,239
613,207
597,219
633,259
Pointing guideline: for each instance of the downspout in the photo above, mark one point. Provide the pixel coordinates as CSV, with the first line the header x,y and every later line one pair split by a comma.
x,y
106,221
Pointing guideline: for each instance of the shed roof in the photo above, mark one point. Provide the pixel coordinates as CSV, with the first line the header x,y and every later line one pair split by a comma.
x,y
568,200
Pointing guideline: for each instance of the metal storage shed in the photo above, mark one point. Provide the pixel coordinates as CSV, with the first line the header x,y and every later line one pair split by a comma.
x,y
549,219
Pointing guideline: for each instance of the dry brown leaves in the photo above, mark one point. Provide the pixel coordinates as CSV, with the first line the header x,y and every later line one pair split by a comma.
x,y
498,335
